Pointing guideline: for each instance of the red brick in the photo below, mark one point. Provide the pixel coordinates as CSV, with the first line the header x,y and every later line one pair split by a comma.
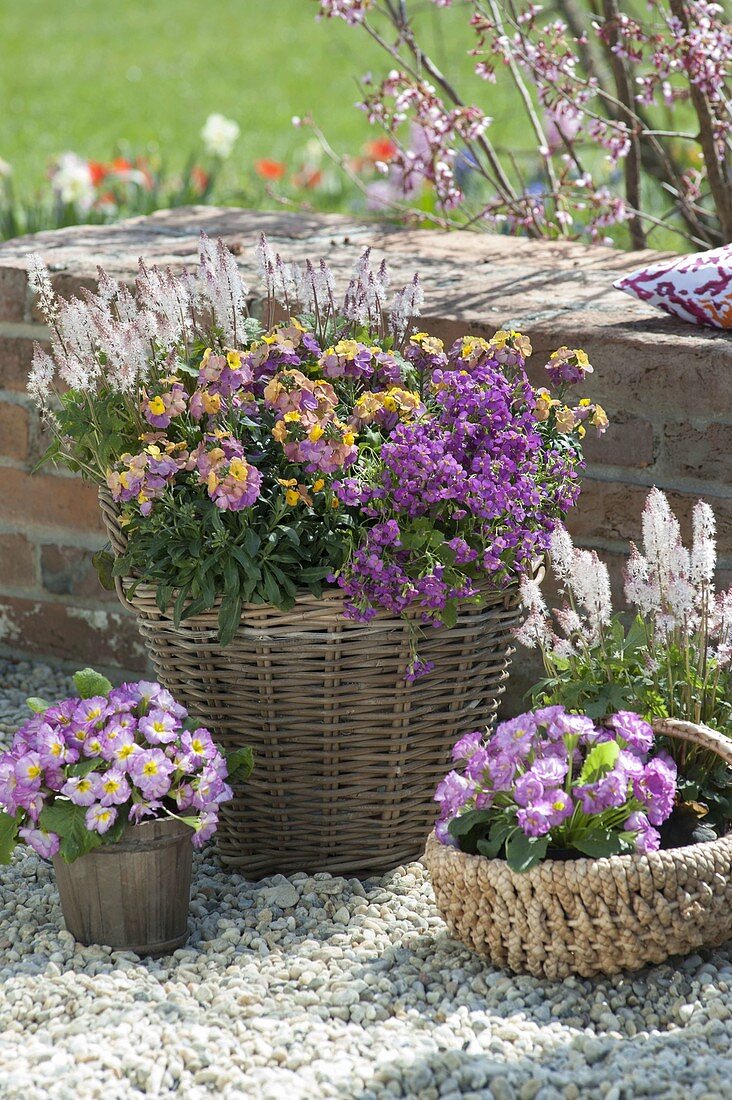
x,y
628,441
16,353
69,571
17,562
43,499
702,452
60,630
13,294
14,431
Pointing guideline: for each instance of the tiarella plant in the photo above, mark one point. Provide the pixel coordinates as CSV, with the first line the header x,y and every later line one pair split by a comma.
x,y
79,771
550,783
674,659
251,459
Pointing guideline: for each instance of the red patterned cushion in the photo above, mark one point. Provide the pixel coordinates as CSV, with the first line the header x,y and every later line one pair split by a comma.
x,y
696,288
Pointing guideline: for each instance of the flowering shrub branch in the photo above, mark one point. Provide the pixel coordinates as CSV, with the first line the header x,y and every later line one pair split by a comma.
x,y
599,92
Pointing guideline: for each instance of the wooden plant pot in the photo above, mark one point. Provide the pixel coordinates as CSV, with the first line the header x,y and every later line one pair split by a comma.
x,y
132,895
591,916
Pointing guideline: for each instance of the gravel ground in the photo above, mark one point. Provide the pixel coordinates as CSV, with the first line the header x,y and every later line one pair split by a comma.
x,y
316,986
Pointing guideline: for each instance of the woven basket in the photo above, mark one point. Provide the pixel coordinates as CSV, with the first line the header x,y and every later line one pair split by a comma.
x,y
591,916
347,754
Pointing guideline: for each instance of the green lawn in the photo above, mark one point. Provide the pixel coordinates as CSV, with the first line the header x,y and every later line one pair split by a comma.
x,y
83,75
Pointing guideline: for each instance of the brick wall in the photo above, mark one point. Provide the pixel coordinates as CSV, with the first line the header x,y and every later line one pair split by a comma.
x,y
667,387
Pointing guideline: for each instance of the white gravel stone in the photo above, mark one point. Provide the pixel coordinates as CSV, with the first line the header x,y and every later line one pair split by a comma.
x,y
312,987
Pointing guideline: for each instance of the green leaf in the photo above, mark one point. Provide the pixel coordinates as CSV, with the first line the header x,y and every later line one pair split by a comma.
x,y
489,847
68,820
600,844
599,760
82,768
8,836
523,852
38,706
229,618
464,823
103,562
239,764
89,683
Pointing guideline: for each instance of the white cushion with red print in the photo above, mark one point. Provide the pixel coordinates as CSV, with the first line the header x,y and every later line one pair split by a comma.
x,y
696,288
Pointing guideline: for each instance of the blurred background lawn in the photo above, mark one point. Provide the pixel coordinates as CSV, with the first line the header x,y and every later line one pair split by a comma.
x,y
90,76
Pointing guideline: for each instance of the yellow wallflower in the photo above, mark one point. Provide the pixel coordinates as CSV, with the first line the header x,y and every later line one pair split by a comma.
x,y
318,485
292,496
156,406
233,358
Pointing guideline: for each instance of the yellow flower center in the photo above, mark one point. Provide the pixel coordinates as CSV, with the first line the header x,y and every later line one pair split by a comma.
x,y
150,768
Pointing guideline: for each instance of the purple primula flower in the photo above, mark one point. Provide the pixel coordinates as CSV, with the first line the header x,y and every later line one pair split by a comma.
x,y
560,805
89,714
28,771
467,745
516,736
443,834
158,727
53,749
93,744
45,844
647,838
528,788
477,765
99,818
82,790
534,819
151,770
656,788
552,768
501,772
114,787
119,731
205,827
124,698
452,793
138,810
197,748
575,725
634,729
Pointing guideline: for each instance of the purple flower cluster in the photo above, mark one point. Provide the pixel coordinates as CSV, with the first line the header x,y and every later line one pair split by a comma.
x,y
473,482
126,755
557,775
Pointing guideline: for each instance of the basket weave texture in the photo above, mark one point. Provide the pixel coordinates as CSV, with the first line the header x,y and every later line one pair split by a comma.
x,y
347,754
591,916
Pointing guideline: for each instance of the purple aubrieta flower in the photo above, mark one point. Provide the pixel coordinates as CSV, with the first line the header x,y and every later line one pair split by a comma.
x,y
633,729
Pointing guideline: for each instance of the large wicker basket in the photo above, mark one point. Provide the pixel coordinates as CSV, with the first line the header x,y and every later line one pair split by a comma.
x,y
347,754
591,916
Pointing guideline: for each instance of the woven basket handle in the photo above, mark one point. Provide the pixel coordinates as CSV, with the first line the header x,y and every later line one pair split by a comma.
x,y
117,537
696,735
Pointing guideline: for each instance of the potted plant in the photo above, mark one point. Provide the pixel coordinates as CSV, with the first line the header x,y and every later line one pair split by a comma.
x,y
554,852
308,517
672,658
117,786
